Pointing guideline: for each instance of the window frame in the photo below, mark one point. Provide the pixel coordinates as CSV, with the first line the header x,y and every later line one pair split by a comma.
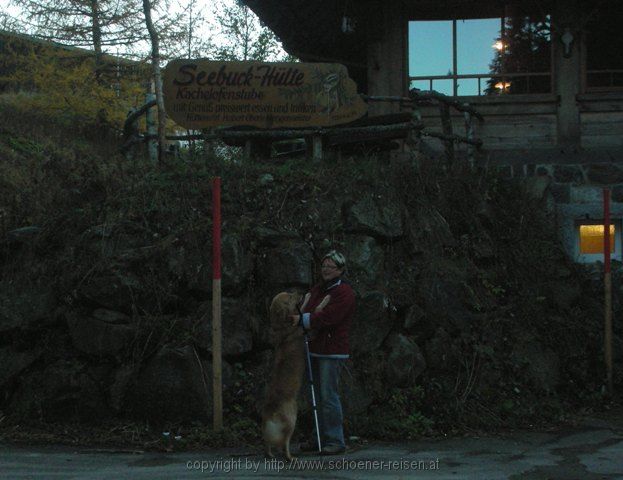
x,y
455,77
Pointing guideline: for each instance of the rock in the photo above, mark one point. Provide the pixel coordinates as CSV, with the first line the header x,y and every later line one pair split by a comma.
x,y
236,265
115,290
172,387
362,382
120,244
102,231
260,328
364,258
446,298
122,379
266,179
192,267
12,363
25,309
413,318
564,294
227,372
63,391
111,317
237,324
287,265
485,213
371,323
428,229
356,398
258,376
23,234
376,217
542,366
271,237
126,376
439,355
482,246
405,361
99,338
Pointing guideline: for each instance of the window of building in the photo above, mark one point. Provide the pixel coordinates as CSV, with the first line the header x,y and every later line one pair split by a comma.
x,y
590,240
604,44
486,56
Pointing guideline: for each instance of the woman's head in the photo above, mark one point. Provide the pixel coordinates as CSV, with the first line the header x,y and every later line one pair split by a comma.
x,y
333,265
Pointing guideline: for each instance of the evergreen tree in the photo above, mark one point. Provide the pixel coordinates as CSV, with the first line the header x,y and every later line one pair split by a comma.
x,y
526,47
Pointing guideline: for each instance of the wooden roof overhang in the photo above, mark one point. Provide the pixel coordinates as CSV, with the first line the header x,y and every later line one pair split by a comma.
x,y
312,29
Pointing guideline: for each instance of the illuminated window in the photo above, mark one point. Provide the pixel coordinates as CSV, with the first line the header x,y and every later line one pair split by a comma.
x,y
592,239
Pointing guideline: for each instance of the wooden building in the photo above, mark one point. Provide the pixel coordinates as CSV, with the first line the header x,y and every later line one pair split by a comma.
x,y
552,96
582,105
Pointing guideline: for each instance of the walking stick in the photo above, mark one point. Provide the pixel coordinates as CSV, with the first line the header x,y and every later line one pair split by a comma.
x,y
311,384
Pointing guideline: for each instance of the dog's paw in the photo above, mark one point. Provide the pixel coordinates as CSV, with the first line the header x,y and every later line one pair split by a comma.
x,y
323,304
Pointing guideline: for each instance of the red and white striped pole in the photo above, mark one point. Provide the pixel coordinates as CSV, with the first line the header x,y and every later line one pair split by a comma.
x,y
608,292
217,377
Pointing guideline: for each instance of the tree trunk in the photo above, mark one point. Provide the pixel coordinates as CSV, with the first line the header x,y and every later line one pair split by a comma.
x,y
97,37
246,33
155,60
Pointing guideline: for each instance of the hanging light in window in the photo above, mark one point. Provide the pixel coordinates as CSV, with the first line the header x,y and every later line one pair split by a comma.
x,y
348,22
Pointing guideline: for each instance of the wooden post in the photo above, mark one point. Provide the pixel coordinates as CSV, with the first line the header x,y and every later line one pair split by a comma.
x,y
387,55
414,137
566,73
208,146
608,292
217,377
469,134
455,86
248,150
317,148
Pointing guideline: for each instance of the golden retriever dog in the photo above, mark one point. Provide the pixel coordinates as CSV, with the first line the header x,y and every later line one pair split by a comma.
x,y
280,408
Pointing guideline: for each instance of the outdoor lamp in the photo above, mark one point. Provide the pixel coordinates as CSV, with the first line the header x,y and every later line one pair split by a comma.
x,y
348,24
567,40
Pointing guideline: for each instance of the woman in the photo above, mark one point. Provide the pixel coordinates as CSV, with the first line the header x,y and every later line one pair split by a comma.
x,y
330,347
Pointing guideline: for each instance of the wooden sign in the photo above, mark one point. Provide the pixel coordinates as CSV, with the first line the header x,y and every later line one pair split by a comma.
x,y
201,94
